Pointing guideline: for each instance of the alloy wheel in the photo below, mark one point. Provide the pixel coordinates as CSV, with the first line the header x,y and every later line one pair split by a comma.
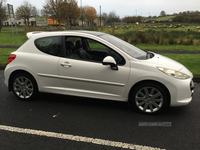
x,y
149,99
23,87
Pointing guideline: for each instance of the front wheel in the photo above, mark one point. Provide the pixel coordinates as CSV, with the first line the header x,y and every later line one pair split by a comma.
x,y
24,86
148,98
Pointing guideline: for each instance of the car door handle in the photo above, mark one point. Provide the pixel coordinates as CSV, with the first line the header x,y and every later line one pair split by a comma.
x,y
66,64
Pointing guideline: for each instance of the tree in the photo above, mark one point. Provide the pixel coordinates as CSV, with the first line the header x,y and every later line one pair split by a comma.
x,y
53,9
70,11
104,17
162,13
112,17
132,19
189,16
82,14
90,13
3,15
26,11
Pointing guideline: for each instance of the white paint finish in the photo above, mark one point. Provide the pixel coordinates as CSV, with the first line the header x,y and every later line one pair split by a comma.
x,y
94,77
77,138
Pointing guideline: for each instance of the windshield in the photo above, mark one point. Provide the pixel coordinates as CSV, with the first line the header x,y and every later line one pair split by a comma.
x,y
126,47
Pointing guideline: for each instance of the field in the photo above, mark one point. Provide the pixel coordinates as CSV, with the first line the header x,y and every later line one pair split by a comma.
x,y
145,36
166,18
151,34
160,34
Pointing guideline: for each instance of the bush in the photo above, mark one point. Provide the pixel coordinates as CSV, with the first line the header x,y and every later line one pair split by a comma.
x,y
172,41
186,41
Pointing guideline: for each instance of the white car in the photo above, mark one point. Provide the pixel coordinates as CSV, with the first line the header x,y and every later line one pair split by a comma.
x,y
97,65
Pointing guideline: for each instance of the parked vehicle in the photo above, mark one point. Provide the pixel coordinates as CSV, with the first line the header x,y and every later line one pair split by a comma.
x,y
97,65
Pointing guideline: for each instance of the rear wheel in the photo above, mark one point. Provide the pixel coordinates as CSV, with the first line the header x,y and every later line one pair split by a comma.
x,y
24,86
148,98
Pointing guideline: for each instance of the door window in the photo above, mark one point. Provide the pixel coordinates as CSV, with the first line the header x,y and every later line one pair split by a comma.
x,y
99,51
90,50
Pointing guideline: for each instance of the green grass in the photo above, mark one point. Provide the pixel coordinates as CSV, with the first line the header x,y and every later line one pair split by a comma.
x,y
190,61
6,38
4,53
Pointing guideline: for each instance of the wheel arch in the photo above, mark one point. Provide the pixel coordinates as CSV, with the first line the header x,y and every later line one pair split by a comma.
x,y
14,73
152,82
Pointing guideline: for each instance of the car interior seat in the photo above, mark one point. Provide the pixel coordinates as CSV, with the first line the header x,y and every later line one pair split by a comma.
x,y
82,53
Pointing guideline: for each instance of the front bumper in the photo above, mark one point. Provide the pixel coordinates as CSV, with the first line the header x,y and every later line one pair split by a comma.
x,y
181,92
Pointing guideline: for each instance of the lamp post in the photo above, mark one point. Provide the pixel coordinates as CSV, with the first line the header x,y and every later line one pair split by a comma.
x,y
100,15
81,13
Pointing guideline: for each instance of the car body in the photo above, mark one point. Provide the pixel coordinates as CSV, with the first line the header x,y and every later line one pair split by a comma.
x,y
97,65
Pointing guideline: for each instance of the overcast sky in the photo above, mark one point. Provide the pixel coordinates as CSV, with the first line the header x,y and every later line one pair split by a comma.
x,y
129,7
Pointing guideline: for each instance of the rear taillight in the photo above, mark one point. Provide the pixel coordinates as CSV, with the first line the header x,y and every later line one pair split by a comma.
x,y
11,57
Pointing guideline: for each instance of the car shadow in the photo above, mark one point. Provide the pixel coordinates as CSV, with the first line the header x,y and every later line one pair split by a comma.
x,y
104,104
82,101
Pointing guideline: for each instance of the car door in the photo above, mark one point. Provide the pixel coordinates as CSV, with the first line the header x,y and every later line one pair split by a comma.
x,y
92,79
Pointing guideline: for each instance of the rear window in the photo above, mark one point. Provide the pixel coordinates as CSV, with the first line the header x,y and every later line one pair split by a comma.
x,y
49,45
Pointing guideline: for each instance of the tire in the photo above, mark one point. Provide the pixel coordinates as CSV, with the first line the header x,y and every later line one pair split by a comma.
x,y
24,86
149,98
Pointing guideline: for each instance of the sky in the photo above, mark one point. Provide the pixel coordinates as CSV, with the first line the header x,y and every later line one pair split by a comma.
x,y
124,8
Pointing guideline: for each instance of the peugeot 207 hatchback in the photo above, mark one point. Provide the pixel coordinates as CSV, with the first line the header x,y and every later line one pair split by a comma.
x,y
97,65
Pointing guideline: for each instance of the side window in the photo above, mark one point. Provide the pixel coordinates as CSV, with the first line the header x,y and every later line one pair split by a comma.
x,y
99,51
49,45
95,46
89,50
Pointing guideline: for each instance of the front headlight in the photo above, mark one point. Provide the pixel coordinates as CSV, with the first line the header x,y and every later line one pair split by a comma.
x,y
173,73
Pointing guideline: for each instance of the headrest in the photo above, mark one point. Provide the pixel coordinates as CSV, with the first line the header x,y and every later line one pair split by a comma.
x,y
79,44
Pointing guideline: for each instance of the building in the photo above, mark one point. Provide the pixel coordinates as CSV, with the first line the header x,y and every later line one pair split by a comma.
x,y
18,22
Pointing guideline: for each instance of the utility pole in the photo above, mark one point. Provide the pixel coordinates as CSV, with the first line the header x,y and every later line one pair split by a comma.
x,y
81,13
100,15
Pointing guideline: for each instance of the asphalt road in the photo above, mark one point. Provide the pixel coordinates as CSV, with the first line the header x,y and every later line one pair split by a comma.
x,y
108,120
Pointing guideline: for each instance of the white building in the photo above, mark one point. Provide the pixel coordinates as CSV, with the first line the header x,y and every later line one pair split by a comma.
x,y
19,22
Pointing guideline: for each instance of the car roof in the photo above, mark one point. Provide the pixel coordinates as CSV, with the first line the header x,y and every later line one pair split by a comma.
x,y
39,33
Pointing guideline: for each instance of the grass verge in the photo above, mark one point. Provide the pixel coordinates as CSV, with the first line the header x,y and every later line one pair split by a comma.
x,y
6,38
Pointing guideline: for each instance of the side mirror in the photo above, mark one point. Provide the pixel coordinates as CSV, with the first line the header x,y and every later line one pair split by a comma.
x,y
110,61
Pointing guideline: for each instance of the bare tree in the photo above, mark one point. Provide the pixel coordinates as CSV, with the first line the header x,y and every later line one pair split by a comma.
x,y
3,15
70,11
104,17
82,14
26,11
112,17
52,8
162,13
